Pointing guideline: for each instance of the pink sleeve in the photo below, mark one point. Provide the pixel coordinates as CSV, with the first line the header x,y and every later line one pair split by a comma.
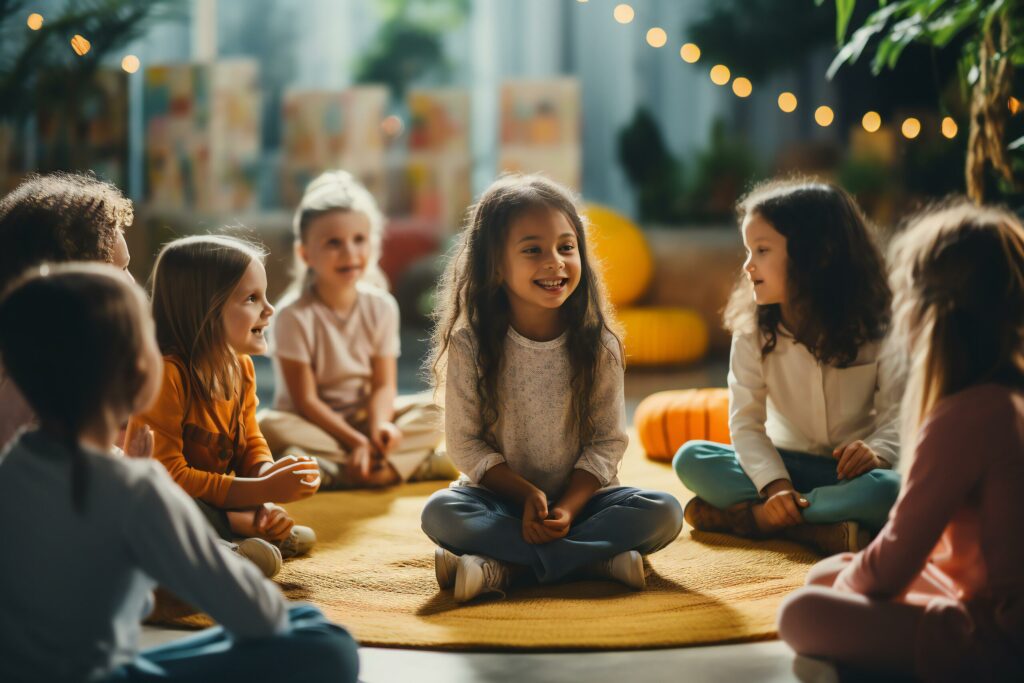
x,y
949,460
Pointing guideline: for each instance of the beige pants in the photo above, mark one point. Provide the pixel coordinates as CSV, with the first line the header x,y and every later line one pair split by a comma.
x,y
416,415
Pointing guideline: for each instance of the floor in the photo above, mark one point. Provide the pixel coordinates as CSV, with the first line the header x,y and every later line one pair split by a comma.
x,y
767,662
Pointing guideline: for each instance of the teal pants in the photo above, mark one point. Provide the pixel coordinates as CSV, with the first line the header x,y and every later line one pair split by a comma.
x,y
712,472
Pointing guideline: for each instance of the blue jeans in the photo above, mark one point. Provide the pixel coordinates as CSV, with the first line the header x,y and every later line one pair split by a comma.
x,y
712,472
313,649
476,521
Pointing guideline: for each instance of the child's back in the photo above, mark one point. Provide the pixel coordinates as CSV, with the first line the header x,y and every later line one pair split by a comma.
x,y
76,612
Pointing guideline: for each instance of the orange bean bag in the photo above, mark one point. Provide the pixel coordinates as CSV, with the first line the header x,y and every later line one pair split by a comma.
x,y
663,335
619,243
668,419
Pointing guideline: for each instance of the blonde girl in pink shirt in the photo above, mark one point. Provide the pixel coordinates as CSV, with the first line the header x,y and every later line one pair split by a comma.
x,y
335,345
939,594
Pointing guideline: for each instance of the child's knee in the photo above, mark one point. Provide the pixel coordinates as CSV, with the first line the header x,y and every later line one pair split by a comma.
x,y
883,490
441,519
824,573
668,514
692,465
800,617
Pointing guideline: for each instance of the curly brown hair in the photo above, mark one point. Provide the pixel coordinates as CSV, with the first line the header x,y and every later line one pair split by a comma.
x,y
59,217
472,295
835,273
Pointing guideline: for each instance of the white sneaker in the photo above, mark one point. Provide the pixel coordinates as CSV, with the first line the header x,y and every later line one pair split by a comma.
x,y
264,555
477,574
627,568
299,542
445,566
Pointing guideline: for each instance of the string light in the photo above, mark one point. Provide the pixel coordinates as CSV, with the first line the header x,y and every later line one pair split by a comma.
x,y
623,13
80,45
871,121
130,63
949,127
1014,105
911,128
35,21
690,53
787,102
742,87
720,74
656,37
824,116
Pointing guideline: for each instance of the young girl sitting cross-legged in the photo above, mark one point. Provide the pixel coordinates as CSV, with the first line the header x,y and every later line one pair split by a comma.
x,y
335,347
210,308
812,403
939,594
105,529
534,411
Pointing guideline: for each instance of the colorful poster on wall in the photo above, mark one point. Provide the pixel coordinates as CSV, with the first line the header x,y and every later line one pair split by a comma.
x,y
325,130
540,129
439,158
203,136
90,130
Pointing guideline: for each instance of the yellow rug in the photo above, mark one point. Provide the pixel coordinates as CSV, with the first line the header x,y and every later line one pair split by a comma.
x,y
372,571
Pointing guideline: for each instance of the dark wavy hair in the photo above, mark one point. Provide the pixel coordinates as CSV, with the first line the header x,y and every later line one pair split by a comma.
x,y
835,274
471,294
59,217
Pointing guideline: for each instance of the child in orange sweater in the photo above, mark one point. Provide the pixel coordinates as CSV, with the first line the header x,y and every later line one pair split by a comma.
x,y
210,308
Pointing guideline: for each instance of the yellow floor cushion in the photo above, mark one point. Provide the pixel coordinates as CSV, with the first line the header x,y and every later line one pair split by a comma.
x,y
663,336
627,264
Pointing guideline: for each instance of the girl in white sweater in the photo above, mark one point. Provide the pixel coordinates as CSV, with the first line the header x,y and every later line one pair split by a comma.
x,y
812,402
534,412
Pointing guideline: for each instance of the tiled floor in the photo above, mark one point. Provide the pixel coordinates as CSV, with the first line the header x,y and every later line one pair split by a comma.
x,y
765,661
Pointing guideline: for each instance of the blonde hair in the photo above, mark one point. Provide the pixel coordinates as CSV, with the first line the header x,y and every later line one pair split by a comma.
x,y
336,191
958,279
192,280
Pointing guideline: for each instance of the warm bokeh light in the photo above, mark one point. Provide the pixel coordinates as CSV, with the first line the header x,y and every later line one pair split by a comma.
x,y
80,45
690,53
824,116
871,121
787,102
392,126
742,87
911,128
35,21
949,127
1014,105
623,13
130,63
720,74
657,37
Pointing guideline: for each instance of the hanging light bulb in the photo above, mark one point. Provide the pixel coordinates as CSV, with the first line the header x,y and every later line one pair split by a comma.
x,y
787,102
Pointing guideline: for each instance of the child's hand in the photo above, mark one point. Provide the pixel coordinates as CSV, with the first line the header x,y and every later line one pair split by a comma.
x,y
287,460
558,522
138,442
272,522
360,462
385,437
782,506
292,481
535,511
855,459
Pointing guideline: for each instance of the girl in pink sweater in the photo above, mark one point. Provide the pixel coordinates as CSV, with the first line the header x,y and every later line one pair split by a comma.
x,y
939,594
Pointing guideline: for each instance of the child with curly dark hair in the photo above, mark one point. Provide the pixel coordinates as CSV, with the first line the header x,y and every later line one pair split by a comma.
x,y
813,403
532,375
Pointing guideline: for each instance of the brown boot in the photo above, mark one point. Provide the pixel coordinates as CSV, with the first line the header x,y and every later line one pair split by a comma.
x,y
826,539
737,520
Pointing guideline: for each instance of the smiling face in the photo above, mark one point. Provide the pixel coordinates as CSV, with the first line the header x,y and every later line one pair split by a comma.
x,y
336,248
541,265
767,260
247,312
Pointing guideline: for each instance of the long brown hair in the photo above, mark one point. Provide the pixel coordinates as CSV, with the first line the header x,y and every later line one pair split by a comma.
x,y
835,273
57,218
958,278
192,280
471,294
71,337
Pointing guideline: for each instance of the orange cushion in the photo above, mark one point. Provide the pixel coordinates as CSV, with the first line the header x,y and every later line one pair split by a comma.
x,y
668,419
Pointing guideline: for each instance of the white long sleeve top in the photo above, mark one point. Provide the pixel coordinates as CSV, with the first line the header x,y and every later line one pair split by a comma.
x,y
535,434
789,400
76,584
